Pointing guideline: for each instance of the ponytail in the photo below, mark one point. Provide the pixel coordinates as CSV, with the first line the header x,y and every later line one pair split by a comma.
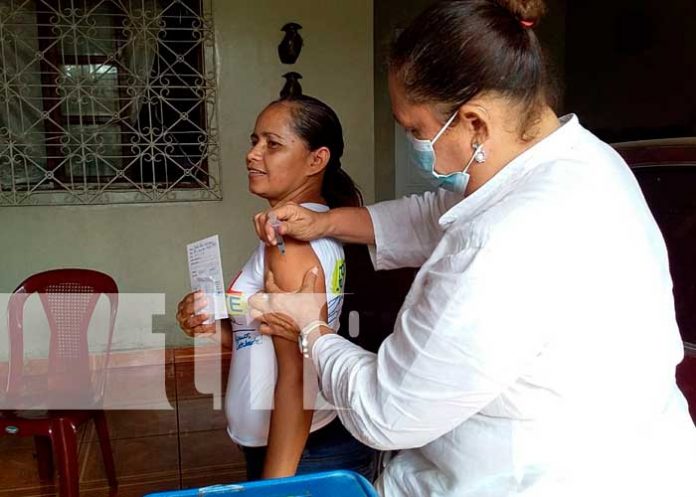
x,y
339,189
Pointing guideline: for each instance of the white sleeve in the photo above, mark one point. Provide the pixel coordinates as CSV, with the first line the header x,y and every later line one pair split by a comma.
x,y
466,331
407,229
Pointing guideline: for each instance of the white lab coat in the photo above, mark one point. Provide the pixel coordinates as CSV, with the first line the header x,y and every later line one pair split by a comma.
x,y
535,352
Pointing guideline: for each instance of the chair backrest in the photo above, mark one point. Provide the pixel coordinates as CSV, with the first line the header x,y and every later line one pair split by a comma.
x,y
686,379
666,171
68,297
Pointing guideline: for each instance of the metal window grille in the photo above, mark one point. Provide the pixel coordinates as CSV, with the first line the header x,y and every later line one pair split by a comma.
x,y
107,101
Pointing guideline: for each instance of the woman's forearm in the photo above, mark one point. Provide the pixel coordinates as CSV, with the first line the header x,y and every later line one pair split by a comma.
x,y
290,421
351,225
225,334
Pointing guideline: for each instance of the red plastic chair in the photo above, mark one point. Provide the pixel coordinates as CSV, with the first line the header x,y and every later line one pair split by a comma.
x,y
69,297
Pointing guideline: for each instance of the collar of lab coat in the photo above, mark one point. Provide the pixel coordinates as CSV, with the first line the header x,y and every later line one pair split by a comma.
x,y
542,152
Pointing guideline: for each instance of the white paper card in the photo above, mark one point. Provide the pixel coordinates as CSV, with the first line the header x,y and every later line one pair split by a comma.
x,y
205,271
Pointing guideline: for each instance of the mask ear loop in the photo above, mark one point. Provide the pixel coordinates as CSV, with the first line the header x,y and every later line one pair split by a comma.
x,y
479,156
444,128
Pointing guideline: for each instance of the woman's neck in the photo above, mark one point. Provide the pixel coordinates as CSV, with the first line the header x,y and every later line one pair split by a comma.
x,y
298,197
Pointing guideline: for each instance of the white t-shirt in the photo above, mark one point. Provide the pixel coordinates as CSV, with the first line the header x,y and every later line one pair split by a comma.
x,y
253,371
535,352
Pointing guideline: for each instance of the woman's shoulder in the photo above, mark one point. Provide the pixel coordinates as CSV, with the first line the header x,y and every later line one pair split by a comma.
x,y
541,203
557,196
315,206
327,246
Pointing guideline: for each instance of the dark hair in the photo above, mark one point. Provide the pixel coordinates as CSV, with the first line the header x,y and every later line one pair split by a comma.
x,y
318,126
457,49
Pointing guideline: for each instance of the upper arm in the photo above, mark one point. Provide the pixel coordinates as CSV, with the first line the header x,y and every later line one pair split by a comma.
x,y
289,269
407,230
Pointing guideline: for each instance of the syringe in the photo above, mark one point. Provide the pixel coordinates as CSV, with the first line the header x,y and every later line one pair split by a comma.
x,y
275,223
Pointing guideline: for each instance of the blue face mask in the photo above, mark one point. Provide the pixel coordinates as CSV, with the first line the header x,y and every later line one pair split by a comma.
x,y
422,156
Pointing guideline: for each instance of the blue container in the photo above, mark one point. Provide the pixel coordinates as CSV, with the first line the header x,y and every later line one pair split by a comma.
x,y
331,484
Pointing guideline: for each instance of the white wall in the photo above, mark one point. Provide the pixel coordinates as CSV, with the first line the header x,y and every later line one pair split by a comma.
x,y
143,246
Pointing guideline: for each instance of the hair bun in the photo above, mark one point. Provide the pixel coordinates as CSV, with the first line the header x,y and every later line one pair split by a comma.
x,y
525,9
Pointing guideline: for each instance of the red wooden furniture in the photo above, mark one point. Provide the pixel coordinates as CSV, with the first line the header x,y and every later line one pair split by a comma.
x,y
666,171
69,379
686,379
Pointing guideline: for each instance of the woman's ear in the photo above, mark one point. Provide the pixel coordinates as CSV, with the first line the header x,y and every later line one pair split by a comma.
x,y
319,159
475,121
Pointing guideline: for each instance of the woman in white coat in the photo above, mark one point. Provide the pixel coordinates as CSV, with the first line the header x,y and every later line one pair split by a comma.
x,y
535,352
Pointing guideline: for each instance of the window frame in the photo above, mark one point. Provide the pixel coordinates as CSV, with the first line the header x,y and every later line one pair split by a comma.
x,y
197,183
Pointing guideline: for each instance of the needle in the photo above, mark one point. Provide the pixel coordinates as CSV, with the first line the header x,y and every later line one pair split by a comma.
x,y
276,227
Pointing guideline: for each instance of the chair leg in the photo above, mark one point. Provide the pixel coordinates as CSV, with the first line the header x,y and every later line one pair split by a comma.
x,y
105,444
44,458
64,438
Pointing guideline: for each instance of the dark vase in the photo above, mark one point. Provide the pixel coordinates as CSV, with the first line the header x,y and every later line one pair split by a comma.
x,y
292,87
291,46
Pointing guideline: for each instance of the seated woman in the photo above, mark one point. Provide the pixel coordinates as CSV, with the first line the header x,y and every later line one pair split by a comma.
x,y
283,428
